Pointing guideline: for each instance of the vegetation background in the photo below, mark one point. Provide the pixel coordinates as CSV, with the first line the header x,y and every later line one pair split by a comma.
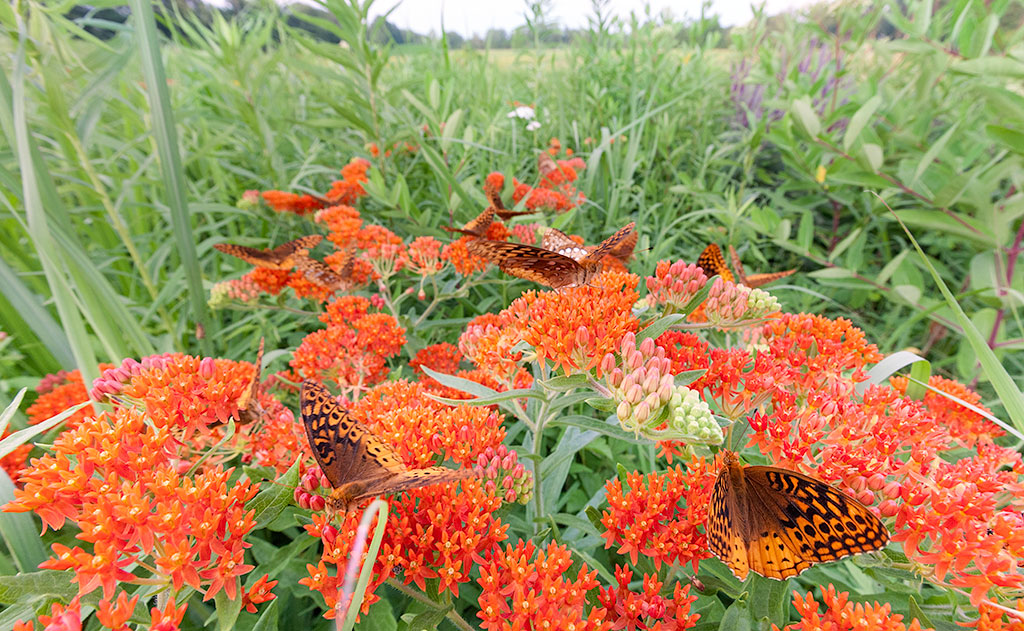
x,y
803,141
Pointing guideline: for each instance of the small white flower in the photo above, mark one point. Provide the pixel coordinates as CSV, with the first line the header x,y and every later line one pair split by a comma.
x,y
523,111
532,125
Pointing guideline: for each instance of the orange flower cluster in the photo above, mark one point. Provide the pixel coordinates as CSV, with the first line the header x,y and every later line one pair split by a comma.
x,y
353,350
555,191
526,588
284,202
433,533
842,615
55,397
576,327
349,188
966,425
119,479
657,514
647,609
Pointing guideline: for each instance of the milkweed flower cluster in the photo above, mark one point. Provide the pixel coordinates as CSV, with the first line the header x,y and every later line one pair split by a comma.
x,y
730,305
842,615
119,479
502,471
526,588
433,533
647,609
353,350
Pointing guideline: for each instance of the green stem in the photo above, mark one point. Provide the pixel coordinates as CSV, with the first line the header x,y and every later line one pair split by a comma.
x,y
411,593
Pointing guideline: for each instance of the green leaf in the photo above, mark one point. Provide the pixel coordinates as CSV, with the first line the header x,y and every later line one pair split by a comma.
x,y
227,608
919,373
22,436
917,612
859,120
687,377
268,619
14,589
612,429
659,326
428,620
806,119
990,67
8,413
1013,139
1009,394
933,151
20,532
565,383
888,367
872,154
460,384
269,502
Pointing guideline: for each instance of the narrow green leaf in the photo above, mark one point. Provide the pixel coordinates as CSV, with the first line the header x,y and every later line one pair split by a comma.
x,y
268,619
269,502
659,326
609,428
22,436
859,120
806,119
227,608
19,587
8,413
19,532
933,151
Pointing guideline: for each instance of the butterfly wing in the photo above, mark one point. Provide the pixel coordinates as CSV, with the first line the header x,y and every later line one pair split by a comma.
x,y
321,273
608,244
624,250
346,450
713,263
259,258
249,408
478,226
723,527
557,241
414,479
529,262
799,521
301,245
546,165
756,280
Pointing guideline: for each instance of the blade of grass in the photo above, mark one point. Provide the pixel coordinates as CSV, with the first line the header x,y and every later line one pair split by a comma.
x,y
166,137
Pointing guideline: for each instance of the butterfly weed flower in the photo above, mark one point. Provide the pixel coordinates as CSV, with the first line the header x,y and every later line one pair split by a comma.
x,y
523,587
349,189
250,200
60,397
244,290
657,515
425,256
842,615
291,202
648,608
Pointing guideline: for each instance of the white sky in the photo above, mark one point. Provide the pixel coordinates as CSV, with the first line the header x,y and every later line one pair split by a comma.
x,y
467,17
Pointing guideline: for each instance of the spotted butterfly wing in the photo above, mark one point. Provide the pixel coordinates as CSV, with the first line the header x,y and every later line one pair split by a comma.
x,y
558,241
249,408
320,273
546,165
532,263
778,522
713,263
477,227
281,257
624,250
357,463
606,247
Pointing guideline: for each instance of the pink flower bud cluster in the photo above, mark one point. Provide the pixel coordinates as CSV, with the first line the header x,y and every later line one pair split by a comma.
x,y
113,380
307,493
642,384
49,382
526,232
249,200
504,475
675,284
730,304
242,289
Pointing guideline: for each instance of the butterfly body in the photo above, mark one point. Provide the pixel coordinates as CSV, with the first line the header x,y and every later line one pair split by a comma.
x,y
322,274
283,257
545,266
557,241
778,522
357,463
249,408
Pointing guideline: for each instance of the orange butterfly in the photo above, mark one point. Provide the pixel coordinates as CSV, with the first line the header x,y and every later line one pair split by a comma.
x,y
498,206
778,522
558,241
281,257
320,273
713,263
357,463
546,165
544,266
476,228
249,408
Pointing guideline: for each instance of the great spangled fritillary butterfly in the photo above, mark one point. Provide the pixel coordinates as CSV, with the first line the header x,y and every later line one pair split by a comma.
x,y
778,522
713,263
557,241
320,273
545,266
546,165
249,408
477,227
281,257
357,463
498,206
